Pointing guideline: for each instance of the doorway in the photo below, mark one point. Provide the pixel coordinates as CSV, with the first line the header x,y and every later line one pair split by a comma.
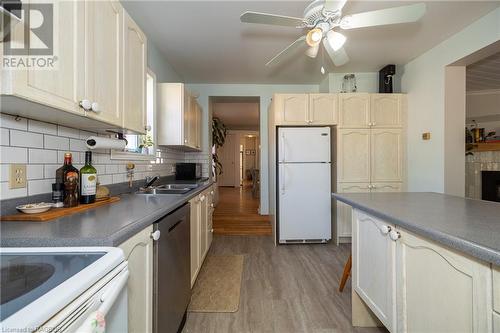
x,y
237,210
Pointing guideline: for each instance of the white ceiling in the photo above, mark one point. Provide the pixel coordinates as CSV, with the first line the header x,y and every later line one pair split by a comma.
x,y
237,113
484,74
206,43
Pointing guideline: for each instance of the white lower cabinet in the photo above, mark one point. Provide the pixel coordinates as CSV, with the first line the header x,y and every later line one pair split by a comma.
x,y
138,252
415,285
373,274
440,290
195,238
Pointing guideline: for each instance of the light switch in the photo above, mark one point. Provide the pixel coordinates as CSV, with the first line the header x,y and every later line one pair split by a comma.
x,y
17,178
426,136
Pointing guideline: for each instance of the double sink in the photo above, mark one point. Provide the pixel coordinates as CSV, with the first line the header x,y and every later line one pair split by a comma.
x,y
168,189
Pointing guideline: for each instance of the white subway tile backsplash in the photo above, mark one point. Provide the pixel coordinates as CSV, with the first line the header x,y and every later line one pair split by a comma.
x,y
100,168
41,127
34,171
105,179
44,156
4,137
68,132
77,145
8,121
50,170
4,172
40,186
26,139
13,154
111,168
7,193
55,142
119,178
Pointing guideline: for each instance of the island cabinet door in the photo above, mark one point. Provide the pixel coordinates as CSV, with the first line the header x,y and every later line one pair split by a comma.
x,y
374,277
440,290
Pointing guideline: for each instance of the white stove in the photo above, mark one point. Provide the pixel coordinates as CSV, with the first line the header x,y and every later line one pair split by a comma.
x,y
63,289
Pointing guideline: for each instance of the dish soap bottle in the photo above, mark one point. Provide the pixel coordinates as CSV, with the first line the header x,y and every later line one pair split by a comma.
x,y
88,180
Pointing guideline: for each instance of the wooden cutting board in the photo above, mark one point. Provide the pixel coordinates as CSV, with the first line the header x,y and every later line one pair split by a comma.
x,y
55,213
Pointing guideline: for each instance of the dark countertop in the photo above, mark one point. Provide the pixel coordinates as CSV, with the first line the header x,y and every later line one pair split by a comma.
x,y
108,225
467,225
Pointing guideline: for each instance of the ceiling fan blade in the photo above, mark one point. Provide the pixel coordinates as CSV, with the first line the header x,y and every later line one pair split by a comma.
x,y
334,5
396,15
288,49
338,57
312,51
264,18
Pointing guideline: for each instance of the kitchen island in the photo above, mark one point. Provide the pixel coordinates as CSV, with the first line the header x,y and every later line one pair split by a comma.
x,y
425,262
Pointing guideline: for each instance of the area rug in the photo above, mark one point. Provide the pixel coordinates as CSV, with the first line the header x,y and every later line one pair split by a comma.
x,y
217,288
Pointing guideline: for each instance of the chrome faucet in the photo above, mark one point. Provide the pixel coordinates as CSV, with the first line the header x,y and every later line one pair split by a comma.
x,y
150,180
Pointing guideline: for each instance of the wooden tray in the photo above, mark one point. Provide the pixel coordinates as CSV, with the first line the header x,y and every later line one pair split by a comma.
x,y
55,213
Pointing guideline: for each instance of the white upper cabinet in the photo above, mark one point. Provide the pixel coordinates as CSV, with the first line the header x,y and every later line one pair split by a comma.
x,y
178,117
354,110
103,60
323,109
134,76
386,110
386,155
291,109
440,290
353,155
374,276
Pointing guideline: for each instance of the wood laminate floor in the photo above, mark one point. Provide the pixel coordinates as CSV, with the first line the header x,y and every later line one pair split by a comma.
x,y
289,289
237,213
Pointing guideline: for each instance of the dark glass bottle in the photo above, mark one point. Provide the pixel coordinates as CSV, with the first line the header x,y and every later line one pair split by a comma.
x,y
67,171
88,180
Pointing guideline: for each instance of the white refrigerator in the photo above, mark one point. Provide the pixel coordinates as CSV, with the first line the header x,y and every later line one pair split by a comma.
x,y
304,184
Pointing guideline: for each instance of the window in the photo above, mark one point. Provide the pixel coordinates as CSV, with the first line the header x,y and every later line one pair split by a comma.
x,y
142,146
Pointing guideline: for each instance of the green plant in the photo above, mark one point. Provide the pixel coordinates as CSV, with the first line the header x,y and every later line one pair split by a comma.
x,y
219,132
146,141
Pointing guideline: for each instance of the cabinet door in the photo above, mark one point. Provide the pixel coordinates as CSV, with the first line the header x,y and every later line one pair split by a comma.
x,y
353,149
138,252
58,88
134,76
197,125
344,212
386,110
373,270
292,109
195,238
323,109
354,110
386,155
203,226
386,187
103,59
440,290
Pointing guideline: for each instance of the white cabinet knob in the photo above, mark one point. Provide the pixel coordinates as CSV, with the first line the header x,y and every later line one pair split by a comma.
x,y
385,229
156,235
202,198
212,192
369,186
212,230
374,186
374,123
95,107
394,235
212,205
86,104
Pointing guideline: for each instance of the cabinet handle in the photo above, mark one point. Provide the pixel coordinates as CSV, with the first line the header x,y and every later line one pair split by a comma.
x,y
202,198
395,235
185,141
156,235
385,229
374,123
212,205
374,186
212,192
95,107
211,230
147,128
369,187
86,104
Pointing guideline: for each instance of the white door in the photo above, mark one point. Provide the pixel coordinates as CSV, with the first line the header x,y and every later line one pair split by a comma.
x,y
292,109
303,144
353,151
374,257
440,290
386,155
227,157
323,109
304,201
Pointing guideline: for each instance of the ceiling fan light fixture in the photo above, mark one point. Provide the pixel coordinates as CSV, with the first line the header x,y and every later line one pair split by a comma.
x,y
335,39
312,51
314,37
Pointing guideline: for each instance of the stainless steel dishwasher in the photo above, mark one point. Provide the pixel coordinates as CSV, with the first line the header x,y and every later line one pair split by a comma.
x,y
172,276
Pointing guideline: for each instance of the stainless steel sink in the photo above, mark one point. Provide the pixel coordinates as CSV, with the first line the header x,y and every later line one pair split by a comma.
x,y
168,189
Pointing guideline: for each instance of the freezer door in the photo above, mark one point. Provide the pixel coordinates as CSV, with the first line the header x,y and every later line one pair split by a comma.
x,y
304,144
304,201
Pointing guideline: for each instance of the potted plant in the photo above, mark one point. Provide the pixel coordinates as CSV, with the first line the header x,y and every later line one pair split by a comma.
x,y
219,132
147,144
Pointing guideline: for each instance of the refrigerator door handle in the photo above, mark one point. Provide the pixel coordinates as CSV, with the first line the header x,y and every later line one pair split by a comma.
x,y
282,147
282,179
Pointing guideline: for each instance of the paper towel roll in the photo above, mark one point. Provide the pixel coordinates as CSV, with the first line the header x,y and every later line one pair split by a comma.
x,y
97,142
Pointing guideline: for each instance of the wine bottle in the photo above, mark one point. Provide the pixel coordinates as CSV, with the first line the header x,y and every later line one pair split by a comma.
x,y
88,180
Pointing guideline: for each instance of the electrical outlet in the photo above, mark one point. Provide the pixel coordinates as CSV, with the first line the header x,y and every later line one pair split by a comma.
x,y
426,136
17,177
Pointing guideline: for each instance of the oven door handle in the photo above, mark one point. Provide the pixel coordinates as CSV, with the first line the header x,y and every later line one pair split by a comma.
x,y
109,297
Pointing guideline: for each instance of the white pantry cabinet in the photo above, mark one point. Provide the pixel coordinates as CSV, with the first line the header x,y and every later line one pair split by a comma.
x,y
178,118
323,109
386,155
354,110
134,76
440,290
353,155
386,110
138,252
373,275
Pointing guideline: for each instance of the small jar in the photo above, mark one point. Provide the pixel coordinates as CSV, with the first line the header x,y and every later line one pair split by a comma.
x,y
58,195
70,193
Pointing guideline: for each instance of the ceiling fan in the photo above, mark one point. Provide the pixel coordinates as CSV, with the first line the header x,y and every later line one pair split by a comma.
x,y
323,17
